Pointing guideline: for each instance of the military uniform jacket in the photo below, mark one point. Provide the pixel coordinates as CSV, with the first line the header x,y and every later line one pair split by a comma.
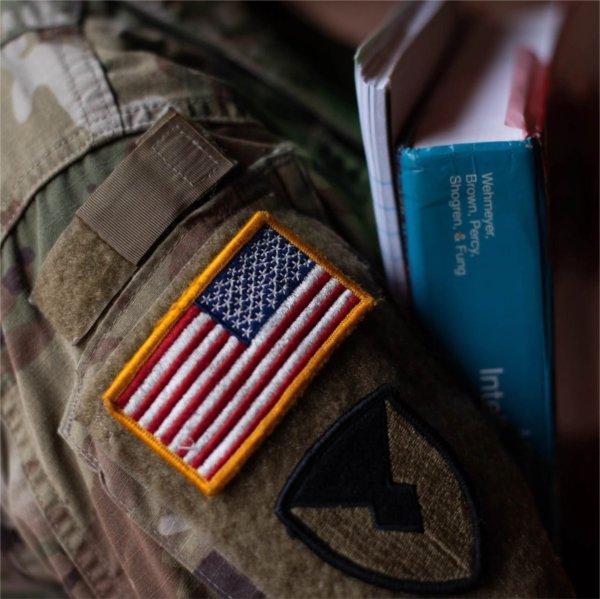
x,y
205,391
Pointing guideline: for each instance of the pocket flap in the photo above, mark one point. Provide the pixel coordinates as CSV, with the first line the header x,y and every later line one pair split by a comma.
x,y
114,229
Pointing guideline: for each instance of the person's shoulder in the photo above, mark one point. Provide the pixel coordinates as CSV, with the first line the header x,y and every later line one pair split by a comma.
x,y
237,401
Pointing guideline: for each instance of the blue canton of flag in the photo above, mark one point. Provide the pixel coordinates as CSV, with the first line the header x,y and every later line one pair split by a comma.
x,y
233,353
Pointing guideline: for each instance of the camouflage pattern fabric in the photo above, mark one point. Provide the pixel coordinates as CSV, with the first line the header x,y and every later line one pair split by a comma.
x,y
81,516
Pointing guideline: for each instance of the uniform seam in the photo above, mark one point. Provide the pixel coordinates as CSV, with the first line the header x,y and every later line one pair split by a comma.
x,y
156,149
90,140
103,86
43,157
198,99
130,511
59,51
171,166
15,424
92,136
195,143
90,63
108,323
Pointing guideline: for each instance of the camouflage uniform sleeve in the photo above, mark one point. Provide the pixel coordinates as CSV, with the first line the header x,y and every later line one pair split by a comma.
x,y
91,508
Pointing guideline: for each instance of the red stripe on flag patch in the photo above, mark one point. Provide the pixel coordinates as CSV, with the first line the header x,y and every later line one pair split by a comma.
x,y
173,367
210,472
262,348
200,365
273,365
244,338
189,315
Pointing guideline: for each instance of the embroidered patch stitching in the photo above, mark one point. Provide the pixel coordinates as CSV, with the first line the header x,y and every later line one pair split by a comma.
x,y
234,351
304,471
255,283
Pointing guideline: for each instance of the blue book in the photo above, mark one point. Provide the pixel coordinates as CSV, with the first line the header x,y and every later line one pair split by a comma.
x,y
471,195
474,231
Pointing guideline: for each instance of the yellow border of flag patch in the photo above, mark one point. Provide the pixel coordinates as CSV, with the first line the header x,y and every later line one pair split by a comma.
x,y
195,288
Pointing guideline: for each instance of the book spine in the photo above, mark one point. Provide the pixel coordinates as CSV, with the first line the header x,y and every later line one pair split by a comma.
x,y
474,222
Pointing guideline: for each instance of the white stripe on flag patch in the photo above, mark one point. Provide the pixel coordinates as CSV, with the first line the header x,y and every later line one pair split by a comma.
x,y
162,398
163,364
273,388
330,289
246,357
226,351
225,362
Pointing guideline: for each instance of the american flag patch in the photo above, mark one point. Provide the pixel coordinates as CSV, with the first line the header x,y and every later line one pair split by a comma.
x,y
233,352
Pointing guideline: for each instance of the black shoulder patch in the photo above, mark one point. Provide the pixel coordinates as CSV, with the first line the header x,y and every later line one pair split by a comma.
x,y
380,497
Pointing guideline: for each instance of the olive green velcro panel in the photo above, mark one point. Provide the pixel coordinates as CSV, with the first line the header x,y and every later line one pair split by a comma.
x,y
79,277
172,167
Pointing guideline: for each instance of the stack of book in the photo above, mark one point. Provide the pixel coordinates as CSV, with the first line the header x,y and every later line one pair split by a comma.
x,y
451,99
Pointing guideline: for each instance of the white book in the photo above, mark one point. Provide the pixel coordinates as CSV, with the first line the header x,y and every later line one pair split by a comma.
x,y
392,70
